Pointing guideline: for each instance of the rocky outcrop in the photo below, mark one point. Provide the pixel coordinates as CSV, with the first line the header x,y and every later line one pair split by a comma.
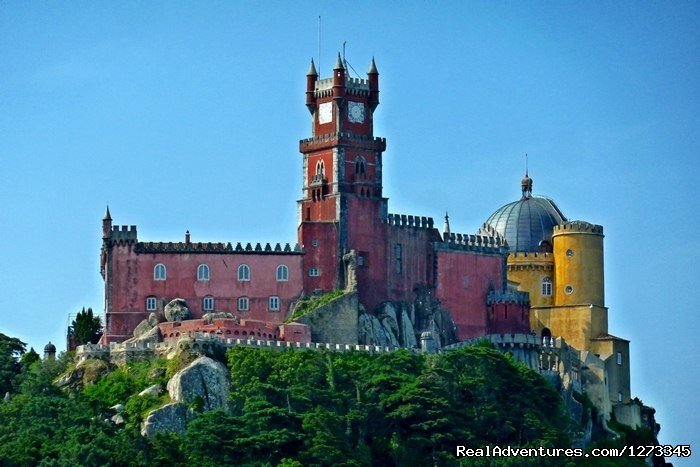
x,y
335,322
85,372
153,391
204,381
177,310
151,336
169,418
210,317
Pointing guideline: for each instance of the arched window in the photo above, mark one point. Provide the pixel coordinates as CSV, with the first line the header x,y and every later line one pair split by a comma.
x,y
203,272
320,168
547,286
151,303
243,272
282,273
360,165
243,304
159,272
208,303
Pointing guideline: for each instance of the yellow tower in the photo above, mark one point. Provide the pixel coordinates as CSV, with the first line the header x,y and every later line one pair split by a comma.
x,y
578,264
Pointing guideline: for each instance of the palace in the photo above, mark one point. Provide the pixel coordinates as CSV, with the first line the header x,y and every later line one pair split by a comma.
x,y
527,271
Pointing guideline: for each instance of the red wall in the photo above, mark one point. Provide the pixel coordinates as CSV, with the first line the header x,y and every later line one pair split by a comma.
x,y
464,279
132,282
236,329
508,318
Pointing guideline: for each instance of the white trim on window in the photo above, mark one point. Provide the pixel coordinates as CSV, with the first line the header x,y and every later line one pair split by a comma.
x,y
160,272
208,303
273,303
151,303
203,272
243,303
547,286
243,272
314,272
282,273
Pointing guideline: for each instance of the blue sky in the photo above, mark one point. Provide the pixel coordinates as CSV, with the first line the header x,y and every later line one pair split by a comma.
x,y
187,115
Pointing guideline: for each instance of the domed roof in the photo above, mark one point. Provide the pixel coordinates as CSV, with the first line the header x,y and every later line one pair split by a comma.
x,y
50,348
526,222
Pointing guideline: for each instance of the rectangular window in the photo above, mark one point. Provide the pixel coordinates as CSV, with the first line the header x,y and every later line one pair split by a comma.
x,y
243,303
398,254
208,303
151,304
273,303
314,272
619,358
314,243
619,397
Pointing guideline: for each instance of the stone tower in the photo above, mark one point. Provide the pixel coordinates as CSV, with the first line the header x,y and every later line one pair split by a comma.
x,y
342,207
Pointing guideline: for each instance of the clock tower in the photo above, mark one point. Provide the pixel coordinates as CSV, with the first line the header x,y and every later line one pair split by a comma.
x,y
342,207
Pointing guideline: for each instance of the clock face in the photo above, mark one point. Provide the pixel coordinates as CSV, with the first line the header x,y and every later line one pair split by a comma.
x,y
325,112
356,112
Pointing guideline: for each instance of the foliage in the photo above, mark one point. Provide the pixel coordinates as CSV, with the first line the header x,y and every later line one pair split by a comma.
x,y
309,304
11,350
86,327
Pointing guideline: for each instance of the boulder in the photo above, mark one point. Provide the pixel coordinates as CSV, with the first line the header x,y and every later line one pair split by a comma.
x,y
407,333
154,391
142,328
151,336
169,418
204,380
210,317
177,310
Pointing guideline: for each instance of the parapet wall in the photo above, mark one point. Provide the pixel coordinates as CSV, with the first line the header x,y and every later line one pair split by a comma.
x,y
123,233
499,296
578,227
477,243
187,247
415,222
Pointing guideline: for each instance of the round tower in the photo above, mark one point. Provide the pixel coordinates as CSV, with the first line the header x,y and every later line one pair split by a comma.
x,y
578,264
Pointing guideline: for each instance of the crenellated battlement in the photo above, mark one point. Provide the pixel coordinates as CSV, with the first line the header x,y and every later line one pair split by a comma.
x,y
499,296
416,222
578,227
342,138
530,256
123,233
480,243
353,86
190,247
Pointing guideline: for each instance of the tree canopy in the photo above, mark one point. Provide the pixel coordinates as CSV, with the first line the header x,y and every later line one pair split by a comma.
x,y
86,328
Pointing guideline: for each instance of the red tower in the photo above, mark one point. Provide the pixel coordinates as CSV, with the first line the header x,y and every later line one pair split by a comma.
x,y
342,207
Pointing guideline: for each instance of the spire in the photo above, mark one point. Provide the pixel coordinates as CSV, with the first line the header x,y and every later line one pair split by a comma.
x,y
312,69
372,68
107,217
339,63
446,228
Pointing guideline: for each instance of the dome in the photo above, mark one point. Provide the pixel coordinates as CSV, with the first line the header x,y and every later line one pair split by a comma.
x,y
50,348
526,222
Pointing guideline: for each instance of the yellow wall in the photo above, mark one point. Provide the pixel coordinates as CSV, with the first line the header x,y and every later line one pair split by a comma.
x,y
528,270
582,268
576,324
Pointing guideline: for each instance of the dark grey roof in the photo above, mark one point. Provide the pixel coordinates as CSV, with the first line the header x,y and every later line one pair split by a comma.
x,y
526,222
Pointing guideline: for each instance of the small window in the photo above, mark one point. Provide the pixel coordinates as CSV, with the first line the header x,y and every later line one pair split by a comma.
x,y
314,272
208,304
282,273
569,253
619,396
619,358
547,286
159,272
243,272
243,304
569,290
320,168
398,253
273,303
360,165
360,260
203,272
151,304
314,243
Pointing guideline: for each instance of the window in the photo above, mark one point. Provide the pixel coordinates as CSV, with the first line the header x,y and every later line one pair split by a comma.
x,y
547,286
314,272
159,272
208,303
619,396
314,243
568,290
282,273
360,165
243,304
619,358
320,168
569,253
398,254
243,272
273,303
203,272
151,304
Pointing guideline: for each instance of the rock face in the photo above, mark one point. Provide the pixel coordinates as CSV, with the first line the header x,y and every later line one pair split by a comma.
x,y
169,418
210,317
334,322
204,380
151,336
177,310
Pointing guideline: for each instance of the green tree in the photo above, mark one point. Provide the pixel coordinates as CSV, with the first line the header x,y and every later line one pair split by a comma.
x,y
86,328
11,350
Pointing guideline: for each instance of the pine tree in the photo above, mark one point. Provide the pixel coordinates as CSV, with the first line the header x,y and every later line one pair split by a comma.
x,y
86,328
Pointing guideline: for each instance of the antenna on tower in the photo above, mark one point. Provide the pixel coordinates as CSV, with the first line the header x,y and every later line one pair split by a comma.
x,y
319,46
526,164
345,61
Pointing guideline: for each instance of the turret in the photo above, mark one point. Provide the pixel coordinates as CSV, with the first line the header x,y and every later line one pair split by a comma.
x,y
373,78
106,225
311,78
50,351
338,80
